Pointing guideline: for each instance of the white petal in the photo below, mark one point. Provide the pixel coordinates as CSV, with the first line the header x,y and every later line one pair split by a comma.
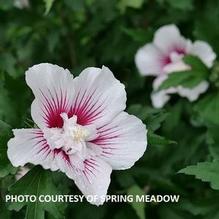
x,y
123,141
53,90
29,146
193,93
168,38
159,80
99,97
204,51
159,98
176,66
93,178
149,60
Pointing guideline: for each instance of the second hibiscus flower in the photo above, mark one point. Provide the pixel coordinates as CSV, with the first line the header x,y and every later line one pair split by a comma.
x,y
165,55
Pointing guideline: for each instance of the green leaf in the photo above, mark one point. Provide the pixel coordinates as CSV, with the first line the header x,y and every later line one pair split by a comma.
x,y
213,141
125,178
6,106
6,5
83,209
183,5
123,4
137,206
36,182
188,78
195,63
5,165
157,140
214,77
138,35
48,5
205,171
8,64
35,212
155,119
4,128
138,110
171,213
152,117
174,79
208,109
206,20
4,213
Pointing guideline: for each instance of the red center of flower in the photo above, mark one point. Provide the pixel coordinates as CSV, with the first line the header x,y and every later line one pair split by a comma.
x,y
177,52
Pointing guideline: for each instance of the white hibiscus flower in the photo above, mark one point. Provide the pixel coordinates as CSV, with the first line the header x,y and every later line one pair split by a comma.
x,y
82,128
165,55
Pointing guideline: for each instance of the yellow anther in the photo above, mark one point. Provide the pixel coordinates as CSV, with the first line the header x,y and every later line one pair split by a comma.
x,y
79,134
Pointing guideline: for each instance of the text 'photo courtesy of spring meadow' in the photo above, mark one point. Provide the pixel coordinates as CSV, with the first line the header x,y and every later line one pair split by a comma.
x,y
109,109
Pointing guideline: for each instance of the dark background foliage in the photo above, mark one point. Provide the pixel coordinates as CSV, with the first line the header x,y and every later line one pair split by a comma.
x,y
79,33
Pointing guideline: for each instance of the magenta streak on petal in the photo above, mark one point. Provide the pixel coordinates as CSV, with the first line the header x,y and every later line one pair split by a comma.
x,y
62,107
78,108
108,133
38,136
49,107
87,103
106,146
37,131
85,174
90,163
48,151
93,107
98,114
63,154
53,108
167,60
85,109
62,103
93,117
90,117
73,109
40,142
57,111
106,130
106,139
106,153
89,168
103,138
81,113
45,147
180,51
